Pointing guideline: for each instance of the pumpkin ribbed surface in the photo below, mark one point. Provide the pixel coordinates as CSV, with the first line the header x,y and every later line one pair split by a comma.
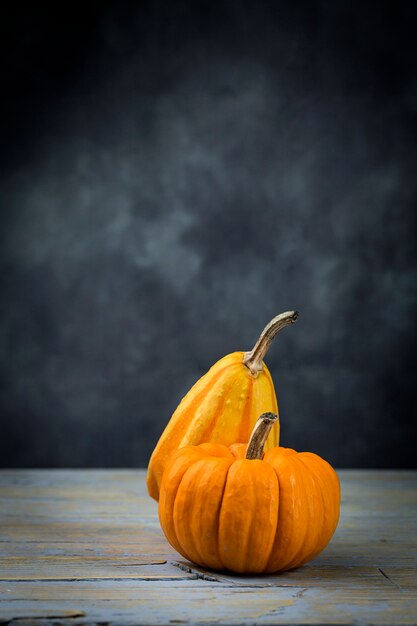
x,y
223,511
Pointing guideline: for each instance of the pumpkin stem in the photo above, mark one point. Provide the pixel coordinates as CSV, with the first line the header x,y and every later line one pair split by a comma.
x,y
254,359
261,430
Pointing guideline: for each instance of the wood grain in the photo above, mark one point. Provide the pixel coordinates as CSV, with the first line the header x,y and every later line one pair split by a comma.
x,y
85,547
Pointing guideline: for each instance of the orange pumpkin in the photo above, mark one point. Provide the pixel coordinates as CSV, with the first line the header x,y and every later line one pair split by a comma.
x,y
229,508
224,404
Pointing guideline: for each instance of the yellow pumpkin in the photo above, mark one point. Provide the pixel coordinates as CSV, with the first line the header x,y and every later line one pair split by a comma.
x,y
223,405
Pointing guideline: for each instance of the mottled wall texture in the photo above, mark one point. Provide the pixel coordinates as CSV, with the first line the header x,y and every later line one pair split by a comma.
x,y
174,174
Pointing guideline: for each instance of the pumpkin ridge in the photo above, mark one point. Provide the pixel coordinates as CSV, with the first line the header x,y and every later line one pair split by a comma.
x,y
228,516
163,509
332,479
322,467
192,511
272,388
246,547
245,419
264,378
277,528
253,527
309,521
203,392
279,520
218,518
219,407
292,468
219,467
215,409
275,409
324,536
195,402
317,547
176,517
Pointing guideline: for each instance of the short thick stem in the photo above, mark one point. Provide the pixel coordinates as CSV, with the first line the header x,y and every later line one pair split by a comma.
x,y
261,430
254,359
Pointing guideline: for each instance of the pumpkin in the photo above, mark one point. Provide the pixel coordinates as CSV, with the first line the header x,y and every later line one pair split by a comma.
x,y
223,405
237,509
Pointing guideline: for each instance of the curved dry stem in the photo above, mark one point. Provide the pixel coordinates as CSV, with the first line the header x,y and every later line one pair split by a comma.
x,y
261,430
254,359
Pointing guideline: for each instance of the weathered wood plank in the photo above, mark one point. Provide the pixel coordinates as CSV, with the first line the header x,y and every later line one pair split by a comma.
x,y
131,588
74,568
405,577
93,549
205,604
320,576
85,546
67,532
149,568
85,550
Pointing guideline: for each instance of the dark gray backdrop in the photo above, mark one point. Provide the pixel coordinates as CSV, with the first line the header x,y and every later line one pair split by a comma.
x,y
176,173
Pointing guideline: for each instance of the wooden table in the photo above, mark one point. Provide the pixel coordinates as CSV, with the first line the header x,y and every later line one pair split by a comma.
x,y
85,547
